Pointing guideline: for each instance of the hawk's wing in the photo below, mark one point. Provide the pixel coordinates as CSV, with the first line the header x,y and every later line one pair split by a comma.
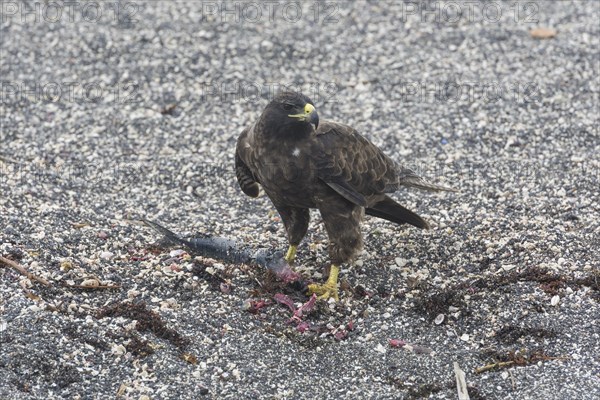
x,y
361,173
356,168
351,165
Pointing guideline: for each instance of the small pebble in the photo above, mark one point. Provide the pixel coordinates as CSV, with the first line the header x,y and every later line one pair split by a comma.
x,y
106,255
90,283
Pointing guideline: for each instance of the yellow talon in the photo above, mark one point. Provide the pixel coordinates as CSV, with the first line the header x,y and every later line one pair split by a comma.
x,y
329,289
291,254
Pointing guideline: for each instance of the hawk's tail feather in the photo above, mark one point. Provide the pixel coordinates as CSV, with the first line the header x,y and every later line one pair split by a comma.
x,y
389,210
420,183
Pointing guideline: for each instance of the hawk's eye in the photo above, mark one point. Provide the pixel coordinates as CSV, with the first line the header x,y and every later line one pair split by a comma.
x,y
287,107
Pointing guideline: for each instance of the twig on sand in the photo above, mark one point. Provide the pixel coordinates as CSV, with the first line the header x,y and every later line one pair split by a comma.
x,y
512,379
493,366
91,287
23,271
518,360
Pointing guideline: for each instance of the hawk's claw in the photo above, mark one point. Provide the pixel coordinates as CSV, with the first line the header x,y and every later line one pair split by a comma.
x,y
324,292
329,289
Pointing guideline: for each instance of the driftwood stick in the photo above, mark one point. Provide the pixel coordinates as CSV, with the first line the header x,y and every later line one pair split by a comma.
x,y
23,271
461,383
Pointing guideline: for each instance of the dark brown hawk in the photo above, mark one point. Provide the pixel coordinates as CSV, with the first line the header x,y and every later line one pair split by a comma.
x,y
302,164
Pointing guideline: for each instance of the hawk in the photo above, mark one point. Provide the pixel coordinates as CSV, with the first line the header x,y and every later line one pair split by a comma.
x,y
303,163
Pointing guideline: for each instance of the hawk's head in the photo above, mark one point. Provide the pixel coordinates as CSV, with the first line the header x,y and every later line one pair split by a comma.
x,y
290,113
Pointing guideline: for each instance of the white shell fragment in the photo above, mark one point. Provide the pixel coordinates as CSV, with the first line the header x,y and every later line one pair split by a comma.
x,y
380,349
555,300
439,319
401,262
176,253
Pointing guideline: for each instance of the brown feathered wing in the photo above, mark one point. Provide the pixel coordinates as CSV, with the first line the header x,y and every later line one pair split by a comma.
x,y
361,173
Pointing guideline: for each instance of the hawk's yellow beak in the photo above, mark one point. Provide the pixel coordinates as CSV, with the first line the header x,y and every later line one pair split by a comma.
x,y
309,115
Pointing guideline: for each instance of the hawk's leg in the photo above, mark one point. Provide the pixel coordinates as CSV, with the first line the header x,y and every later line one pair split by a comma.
x,y
342,222
291,253
296,224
